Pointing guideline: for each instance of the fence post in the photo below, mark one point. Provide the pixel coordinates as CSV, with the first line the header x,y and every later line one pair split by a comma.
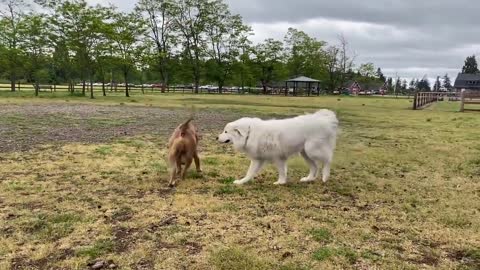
x,y
415,101
462,100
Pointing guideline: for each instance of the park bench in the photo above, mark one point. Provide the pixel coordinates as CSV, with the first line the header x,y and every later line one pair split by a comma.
x,y
469,97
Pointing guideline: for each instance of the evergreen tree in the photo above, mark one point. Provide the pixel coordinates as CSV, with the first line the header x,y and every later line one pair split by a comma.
x,y
412,85
470,66
437,85
404,85
380,75
424,85
447,84
389,84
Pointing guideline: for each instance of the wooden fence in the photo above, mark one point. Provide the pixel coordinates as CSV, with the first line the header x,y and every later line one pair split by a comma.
x,y
423,99
469,97
138,88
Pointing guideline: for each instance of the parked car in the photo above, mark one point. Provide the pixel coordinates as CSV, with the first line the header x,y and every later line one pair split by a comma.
x,y
205,87
157,85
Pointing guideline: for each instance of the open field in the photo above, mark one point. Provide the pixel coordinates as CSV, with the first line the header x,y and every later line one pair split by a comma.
x,y
84,180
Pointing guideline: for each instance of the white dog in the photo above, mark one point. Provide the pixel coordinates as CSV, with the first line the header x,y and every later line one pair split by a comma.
x,y
311,135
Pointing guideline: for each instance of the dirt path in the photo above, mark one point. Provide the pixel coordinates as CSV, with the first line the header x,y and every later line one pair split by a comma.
x,y
27,126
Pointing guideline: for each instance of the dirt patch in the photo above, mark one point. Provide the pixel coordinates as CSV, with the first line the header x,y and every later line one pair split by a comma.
x,y
169,220
143,264
124,238
193,248
28,126
469,258
44,263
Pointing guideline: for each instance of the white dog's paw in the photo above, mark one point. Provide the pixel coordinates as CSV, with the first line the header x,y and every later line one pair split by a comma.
x,y
280,183
238,182
307,179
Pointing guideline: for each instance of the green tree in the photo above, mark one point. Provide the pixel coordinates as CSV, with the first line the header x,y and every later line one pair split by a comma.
x,y
367,70
127,32
412,85
191,18
470,66
404,85
305,55
380,75
33,30
11,16
389,84
447,83
437,85
226,35
159,15
268,65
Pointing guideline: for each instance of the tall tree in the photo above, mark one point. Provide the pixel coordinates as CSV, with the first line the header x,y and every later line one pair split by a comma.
x,y
11,14
346,60
226,35
332,64
34,42
437,85
305,55
412,85
127,31
367,70
389,84
191,19
380,75
404,85
447,84
470,66
424,84
162,31
268,57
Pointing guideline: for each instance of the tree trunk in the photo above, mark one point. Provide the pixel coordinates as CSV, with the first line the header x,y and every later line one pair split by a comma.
x,y
13,80
103,88
125,75
220,87
84,85
91,89
36,86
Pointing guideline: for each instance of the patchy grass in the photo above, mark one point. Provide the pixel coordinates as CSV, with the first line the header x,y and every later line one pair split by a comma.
x,y
403,192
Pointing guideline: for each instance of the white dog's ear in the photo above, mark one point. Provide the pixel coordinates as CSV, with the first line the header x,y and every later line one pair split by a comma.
x,y
242,131
237,130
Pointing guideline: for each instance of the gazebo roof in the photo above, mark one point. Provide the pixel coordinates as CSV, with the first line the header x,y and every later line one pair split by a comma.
x,y
303,79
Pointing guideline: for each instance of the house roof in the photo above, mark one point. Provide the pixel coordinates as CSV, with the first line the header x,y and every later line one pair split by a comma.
x,y
467,81
303,79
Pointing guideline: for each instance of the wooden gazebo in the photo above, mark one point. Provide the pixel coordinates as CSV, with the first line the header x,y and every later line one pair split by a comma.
x,y
302,81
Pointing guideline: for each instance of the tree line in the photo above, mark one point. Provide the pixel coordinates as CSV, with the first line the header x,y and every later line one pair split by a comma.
x,y
167,41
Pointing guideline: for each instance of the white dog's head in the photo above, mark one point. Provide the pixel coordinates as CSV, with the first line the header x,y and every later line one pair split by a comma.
x,y
237,132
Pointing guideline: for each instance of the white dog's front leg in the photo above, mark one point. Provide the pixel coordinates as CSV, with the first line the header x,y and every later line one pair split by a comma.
x,y
282,172
255,166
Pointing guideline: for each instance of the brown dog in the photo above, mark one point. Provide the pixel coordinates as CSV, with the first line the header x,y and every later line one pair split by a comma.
x,y
183,150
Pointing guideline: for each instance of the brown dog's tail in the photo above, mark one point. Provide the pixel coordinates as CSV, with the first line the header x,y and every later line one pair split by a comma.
x,y
184,126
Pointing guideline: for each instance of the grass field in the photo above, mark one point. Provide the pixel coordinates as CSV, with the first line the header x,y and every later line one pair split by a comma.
x,y
86,180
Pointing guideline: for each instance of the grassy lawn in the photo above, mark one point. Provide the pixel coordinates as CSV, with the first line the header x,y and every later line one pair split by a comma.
x,y
403,194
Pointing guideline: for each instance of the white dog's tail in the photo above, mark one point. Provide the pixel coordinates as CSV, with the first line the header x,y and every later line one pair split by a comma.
x,y
330,115
331,118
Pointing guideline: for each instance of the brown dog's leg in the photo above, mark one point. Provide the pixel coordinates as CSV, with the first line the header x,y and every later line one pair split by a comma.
x,y
188,162
173,175
197,162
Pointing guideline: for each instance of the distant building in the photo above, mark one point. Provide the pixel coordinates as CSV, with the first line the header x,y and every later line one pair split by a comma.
x,y
373,87
467,82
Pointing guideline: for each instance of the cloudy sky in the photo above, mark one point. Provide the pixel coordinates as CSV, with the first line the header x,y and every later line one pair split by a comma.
x,y
411,38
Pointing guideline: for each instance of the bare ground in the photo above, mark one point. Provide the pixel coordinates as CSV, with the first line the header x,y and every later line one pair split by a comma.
x,y
23,127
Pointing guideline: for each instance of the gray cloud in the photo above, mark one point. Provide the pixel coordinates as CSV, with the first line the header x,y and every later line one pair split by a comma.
x,y
408,37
